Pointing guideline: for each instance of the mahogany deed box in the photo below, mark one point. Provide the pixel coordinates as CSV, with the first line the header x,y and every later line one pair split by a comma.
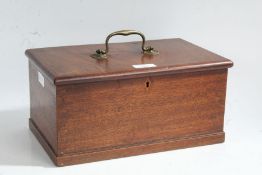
x,y
120,102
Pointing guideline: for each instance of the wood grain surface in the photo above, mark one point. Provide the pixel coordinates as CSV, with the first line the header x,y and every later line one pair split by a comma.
x,y
164,145
73,64
43,106
112,114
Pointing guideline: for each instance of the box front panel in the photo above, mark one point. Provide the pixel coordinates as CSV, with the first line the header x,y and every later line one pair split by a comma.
x,y
113,114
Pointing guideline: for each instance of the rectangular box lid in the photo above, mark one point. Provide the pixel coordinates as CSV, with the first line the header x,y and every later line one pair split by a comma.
x,y
73,64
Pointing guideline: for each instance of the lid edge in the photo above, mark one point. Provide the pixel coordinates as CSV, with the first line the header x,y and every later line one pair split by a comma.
x,y
144,73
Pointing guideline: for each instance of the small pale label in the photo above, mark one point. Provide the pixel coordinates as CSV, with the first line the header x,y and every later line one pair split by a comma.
x,y
139,66
41,79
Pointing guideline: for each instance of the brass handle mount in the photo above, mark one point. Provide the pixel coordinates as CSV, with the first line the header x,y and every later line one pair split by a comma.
x,y
102,54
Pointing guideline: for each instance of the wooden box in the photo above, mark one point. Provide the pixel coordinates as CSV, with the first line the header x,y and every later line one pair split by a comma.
x,y
86,109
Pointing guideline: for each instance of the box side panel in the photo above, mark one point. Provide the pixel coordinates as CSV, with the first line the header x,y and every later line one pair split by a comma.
x,y
115,114
43,105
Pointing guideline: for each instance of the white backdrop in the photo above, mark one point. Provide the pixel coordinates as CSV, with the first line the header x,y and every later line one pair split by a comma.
x,y
231,28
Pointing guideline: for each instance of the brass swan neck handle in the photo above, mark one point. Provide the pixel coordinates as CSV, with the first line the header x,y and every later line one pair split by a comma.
x,y
102,54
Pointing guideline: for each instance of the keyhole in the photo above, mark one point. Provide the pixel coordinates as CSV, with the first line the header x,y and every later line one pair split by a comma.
x,y
147,84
